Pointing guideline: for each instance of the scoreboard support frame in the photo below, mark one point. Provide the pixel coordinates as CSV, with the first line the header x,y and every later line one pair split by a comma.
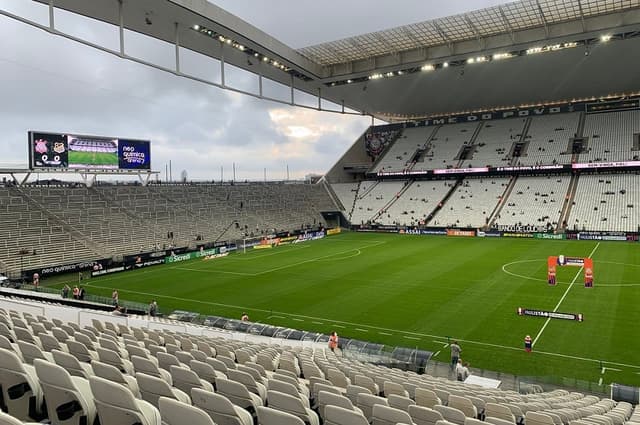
x,y
88,175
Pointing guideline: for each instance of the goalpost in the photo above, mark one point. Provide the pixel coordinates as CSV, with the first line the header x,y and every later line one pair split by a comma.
x,y
560,260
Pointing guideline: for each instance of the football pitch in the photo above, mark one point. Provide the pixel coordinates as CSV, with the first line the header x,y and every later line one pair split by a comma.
x,y
93,158
419,291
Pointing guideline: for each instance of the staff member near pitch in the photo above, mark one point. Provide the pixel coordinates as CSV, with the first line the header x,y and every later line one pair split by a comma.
x,y
333,341
528,344
455,354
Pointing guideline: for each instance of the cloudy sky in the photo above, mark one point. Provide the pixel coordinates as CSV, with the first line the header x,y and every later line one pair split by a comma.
x,y
50,83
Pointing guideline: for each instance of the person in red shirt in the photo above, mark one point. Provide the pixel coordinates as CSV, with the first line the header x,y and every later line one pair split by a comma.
x,y
333,341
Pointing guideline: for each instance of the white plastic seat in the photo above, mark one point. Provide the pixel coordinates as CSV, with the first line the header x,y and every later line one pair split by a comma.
x,y
424,416
113,374
185,379
335,415
293,405
30,352
464,405
113,358
220,409
365,381
269,416
500,411
238,394
330,399
394,388
174,412
49,343
116,405
68,398
152,388
20,387
366,402
287,388
6,419
248,381
399,402
72,364
354,390
144,365
81,352
385,415
205,371
451,414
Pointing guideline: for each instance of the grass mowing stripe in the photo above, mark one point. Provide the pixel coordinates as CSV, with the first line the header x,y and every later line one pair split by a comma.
x,y
563,297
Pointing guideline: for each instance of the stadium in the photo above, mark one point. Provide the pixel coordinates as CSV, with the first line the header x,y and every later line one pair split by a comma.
x,y
488,214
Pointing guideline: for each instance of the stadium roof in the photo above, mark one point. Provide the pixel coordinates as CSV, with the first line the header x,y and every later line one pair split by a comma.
x,y
502,19
380,73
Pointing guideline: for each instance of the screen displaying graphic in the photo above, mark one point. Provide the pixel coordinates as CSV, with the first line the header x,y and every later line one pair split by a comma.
x,y
48,150
134,155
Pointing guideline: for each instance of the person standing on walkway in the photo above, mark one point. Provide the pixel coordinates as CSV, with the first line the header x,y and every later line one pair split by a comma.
x,y
455,354
333,341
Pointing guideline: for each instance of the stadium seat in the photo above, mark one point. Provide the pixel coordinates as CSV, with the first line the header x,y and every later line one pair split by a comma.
x,y
220,409
424,416
175,412
427,398
451,414
335,415
6,419
400,402
495,410
365,402
385,415
185,379
20,387
113,374
48,343
68,398
330,399
30,352
248,381
147,366
268,416
81,352
292,405
116,404
152,388
464,405
394,388
238,394
287,388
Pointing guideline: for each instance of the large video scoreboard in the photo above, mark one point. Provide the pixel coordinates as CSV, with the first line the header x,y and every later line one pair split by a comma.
x,y
72,151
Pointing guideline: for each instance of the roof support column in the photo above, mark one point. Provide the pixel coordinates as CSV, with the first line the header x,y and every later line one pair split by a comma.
x,y
121,26
52,24
222,80
319,99
177,38
291,85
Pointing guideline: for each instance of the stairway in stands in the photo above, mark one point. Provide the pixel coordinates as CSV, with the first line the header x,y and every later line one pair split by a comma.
x,y
505,195
568,203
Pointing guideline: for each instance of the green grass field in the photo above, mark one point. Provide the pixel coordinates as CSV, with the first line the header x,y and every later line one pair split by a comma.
x,y
93,158
417,291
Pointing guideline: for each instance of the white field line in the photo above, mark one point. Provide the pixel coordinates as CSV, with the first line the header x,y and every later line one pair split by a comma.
x,y
334,323
287,266
563,297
